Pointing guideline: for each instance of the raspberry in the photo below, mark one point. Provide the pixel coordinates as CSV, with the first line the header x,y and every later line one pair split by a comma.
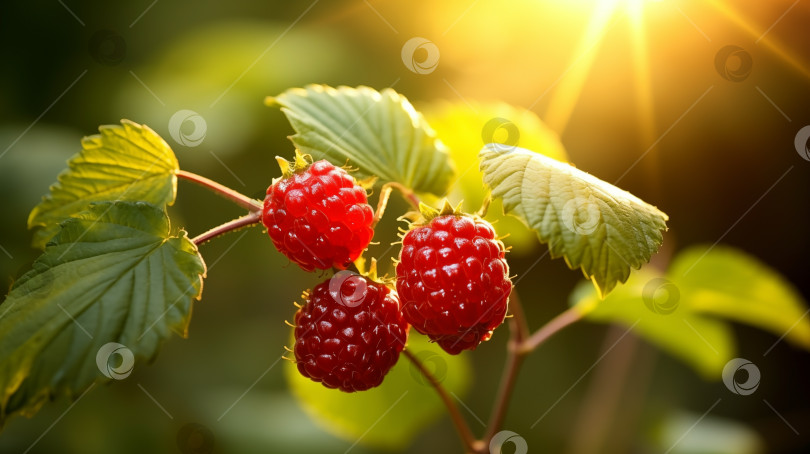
x,y
453,279
317,215
349,332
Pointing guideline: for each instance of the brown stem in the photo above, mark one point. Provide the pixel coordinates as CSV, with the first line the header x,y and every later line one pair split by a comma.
x,y
240,199
252,218
519,330
549,329
407,194
463,429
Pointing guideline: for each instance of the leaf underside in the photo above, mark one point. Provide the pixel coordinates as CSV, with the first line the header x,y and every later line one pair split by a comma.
x,y
594,225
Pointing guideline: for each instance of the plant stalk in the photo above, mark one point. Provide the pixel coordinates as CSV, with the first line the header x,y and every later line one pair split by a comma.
x,y
242,200
254,217
407,194
470,443
549,329
519,330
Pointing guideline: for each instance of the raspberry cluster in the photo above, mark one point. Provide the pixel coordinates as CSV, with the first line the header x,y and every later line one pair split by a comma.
x,y
349,333
453,280
452,277
317,215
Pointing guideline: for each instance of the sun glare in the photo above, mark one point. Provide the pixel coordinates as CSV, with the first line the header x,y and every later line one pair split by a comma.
x,y
604,16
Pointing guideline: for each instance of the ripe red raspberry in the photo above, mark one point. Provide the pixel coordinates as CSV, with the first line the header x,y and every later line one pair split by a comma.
x,y
349,332
453,279
317,215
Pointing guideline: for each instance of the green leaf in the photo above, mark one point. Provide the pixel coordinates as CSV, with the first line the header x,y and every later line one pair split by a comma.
x,y
379,133
725,282
686,311
662,317
390,415
464,127
112,274
594,225
124,163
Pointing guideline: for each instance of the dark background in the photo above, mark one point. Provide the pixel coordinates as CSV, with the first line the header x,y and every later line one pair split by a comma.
x,y
721,163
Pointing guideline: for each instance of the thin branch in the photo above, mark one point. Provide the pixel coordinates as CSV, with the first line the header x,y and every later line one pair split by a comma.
x,y
549,329
519,317
407,194
236,224
463,429
240,199
519,330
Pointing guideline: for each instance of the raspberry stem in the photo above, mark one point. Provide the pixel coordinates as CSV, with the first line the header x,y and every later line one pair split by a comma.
x,y
254,217
239,199
385,193
407,194
519,331
519,346
549,329
463,429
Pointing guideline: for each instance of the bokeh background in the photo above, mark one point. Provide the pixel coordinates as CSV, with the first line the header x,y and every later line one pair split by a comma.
x,y
639,91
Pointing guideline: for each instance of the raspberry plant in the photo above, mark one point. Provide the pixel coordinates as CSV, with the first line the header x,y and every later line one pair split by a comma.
x,y
113,261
